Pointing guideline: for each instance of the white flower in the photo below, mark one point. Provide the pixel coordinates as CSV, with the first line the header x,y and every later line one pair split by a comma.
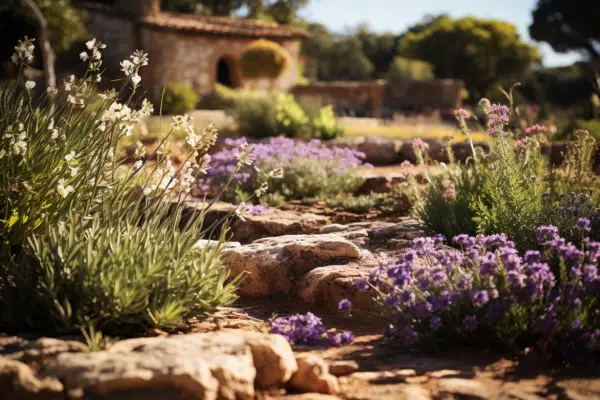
x,y
29,85
19,147
2,153
135,78
63,190
54,134
138,164
140,150
71,99
91,44
127,67
69,157
244,155
51,91
277,173
74,171
23,51
84,56
51,124
242,210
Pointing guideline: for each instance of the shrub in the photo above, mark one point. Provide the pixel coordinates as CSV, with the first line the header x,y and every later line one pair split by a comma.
x,y
504,191
179,98
261,115
403,68
264,59
86,240
309,170
489,294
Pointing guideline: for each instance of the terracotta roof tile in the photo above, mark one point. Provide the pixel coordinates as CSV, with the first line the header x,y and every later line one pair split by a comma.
x,y
210,25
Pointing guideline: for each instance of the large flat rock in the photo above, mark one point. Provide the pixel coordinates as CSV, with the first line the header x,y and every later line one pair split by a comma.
x,y
223,365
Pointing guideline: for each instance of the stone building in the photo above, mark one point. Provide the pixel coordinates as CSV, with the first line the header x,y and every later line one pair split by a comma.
x,y
196,50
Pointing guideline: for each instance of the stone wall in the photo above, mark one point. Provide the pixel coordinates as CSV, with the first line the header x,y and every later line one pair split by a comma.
x,y
176,55
381,98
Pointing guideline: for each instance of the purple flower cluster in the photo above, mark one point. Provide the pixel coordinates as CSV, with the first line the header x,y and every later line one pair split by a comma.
x,y
488,289
308,329
498,118
257,209
277,152
573,214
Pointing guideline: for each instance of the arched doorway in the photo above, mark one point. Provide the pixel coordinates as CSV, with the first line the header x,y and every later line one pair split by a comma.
x,y
227,73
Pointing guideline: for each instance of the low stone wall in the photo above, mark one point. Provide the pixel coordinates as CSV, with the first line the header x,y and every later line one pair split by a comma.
x,y
381,98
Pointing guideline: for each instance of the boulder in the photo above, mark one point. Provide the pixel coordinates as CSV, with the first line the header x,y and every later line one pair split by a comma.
x,y
221,365
275,222
343,368
19,381
272,264
313,375
38,351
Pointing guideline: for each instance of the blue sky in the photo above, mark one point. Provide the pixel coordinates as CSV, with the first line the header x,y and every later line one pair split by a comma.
x,y
396,15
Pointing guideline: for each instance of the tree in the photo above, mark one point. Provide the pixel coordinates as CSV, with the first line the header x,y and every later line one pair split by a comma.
x,y
379,49
480,52
566,26
404,68
64,24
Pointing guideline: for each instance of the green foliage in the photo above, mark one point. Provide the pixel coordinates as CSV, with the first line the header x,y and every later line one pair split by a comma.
x,y
325,125
566,27
306,178
87,241
511,189
393,203
480,52
65,24
179,98
255,115
264,59
261,115
404,68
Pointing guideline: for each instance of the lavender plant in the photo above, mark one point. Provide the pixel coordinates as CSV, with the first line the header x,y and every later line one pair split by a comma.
x,y
510,189
490,294
308,329
308,169
86,240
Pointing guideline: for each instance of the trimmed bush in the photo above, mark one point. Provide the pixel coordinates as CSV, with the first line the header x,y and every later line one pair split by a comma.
x,y
179,98
264,59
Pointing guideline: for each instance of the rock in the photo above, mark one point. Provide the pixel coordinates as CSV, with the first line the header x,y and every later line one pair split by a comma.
x,y
38,351
463,387
221,365
272,264
18,381
375,184
342,368
276,222
377,150
313,375
310,396
398,244
333,228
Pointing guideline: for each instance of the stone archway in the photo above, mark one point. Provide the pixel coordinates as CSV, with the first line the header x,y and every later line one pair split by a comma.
x,y
227,73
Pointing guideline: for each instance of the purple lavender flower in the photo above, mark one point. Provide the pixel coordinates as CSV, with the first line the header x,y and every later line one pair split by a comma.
x,y
470,323
257,210
407,298
463,240
532,257
510,258
439,238
340,339
493,242
487,264
498,118
435,322
361,284
592,250
583,224
516,280
570,254
480,298
423,310
345,306
546,233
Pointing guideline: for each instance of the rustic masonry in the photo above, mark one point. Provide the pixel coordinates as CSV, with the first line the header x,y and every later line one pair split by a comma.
x,y
196,50
382,99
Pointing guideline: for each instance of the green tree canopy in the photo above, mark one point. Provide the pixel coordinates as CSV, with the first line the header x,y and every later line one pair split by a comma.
x,y
65,24
567,26
405,68
481,52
